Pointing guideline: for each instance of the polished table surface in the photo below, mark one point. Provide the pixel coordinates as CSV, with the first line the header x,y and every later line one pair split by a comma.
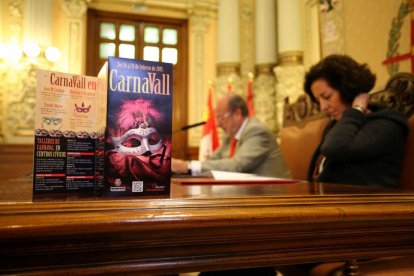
x,y
201,226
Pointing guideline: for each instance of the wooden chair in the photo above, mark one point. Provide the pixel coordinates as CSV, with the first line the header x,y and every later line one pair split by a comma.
x,y
407,170
303,125
300,135
398,94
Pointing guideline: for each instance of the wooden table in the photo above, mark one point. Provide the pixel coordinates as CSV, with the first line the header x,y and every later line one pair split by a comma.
x,y
201,227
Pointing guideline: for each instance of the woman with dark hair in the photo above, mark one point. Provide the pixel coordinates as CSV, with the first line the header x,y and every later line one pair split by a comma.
x,y
363,143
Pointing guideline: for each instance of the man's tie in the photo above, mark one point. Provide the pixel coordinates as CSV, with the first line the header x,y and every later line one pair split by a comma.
x,y
233,144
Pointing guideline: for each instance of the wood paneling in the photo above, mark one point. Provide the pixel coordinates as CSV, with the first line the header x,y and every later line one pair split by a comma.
x,y
15,160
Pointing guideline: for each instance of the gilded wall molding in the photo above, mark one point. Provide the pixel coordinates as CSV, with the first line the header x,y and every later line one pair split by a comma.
x,y
290,58
75,9
223,82
15,28
176,8
19,84
265,69
21,103
21,99
265,99
228,75
201,8
228,68
289,83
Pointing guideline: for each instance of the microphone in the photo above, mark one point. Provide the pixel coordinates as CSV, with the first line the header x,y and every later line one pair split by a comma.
x,y
190,126
193,125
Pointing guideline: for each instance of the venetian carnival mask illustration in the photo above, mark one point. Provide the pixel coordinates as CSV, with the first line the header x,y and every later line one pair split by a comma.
x,y
82,108
51,121
140,141
139,151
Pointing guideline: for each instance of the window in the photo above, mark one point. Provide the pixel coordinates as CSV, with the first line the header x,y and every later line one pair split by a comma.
x,y
135,38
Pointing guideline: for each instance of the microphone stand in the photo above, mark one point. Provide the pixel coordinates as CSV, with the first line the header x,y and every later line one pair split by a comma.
x,y
189,126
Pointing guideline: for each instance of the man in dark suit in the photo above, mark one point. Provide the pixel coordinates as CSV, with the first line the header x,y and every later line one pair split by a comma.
x,y
248,146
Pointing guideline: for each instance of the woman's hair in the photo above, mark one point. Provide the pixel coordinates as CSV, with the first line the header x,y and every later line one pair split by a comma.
x,y
342,73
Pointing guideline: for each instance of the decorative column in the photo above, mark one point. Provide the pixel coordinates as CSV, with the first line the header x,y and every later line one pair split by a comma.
x,y
200,21
75,10
247,35
264,85
290,70
312,38
38,22
228,51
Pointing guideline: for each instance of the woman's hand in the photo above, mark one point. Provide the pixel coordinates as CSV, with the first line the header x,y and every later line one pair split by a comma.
x,y
361,102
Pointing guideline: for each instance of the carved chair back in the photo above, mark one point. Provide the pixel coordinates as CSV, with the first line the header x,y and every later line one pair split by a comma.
x,y
399,94
303,124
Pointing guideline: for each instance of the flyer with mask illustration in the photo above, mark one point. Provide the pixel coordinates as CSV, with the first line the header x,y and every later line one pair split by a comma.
x,y
138,129
69,133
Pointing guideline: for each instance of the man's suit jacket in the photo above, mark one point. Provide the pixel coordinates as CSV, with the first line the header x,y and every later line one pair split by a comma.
x,y
257,152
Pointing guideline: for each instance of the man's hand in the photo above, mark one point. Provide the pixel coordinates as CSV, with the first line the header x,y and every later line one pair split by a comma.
x,y
179,166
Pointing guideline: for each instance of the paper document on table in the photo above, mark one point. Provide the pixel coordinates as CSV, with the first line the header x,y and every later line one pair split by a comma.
x,y
222,175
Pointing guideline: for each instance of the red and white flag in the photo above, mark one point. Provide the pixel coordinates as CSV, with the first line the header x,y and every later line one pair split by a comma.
x,y
250,96
209,141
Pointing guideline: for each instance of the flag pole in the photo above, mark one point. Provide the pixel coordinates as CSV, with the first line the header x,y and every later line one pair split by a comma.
x,y
250,95
230,85
209,140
